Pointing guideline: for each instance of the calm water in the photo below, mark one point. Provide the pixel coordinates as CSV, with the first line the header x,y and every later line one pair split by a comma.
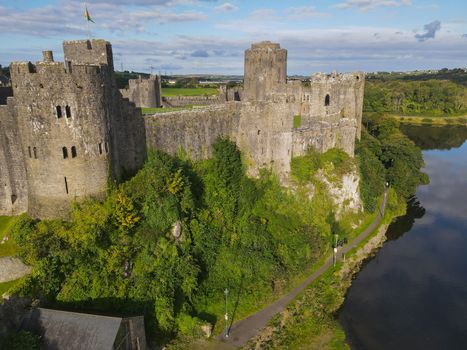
x,y
413,293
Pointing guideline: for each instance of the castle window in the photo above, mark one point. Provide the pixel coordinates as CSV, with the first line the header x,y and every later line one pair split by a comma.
x,y
88,44
327,100
34,150
106,147
73,152
100,148
66,186
68,111
29,150
259,132
59,111
65,152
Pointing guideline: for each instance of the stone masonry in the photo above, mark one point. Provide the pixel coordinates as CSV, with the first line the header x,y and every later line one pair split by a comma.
x,y
274,120
67,129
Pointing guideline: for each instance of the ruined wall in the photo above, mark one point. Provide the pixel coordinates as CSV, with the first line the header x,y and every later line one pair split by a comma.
x,y
13,186
144,92
181,101
265,70
194,131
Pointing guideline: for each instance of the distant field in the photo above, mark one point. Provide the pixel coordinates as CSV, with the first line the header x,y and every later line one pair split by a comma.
x,y
171,92
431,120
9,247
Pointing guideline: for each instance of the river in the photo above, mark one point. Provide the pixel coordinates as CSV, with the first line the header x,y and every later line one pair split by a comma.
x,y
413,293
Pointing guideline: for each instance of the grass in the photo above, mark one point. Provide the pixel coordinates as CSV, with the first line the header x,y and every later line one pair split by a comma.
x,y
6,286
9,247
424,120
172,92
165,110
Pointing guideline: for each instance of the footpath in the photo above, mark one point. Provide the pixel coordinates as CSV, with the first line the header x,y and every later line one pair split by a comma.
x,y
242,331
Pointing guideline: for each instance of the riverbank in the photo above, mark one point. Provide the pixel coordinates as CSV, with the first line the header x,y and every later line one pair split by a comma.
x,y
309,321
434,121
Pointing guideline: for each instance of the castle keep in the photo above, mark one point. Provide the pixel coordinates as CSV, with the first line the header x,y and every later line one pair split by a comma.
x,y
66,129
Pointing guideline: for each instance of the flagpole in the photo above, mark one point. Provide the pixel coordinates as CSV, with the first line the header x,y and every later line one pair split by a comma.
x,y
87,21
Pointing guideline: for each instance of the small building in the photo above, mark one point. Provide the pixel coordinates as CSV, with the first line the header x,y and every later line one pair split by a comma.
x,y
64,330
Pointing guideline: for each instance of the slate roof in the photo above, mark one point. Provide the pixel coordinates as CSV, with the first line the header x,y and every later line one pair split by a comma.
x,y
72,330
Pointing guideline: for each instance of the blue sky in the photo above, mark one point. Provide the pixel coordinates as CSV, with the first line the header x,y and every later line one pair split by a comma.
x,y
209,36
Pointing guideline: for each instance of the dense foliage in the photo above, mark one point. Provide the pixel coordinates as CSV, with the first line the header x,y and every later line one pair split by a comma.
x,y
22,340
431,97
123,77
126,254
121,255
387,155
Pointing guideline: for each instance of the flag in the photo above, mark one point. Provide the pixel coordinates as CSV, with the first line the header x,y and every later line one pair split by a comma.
x,y
87,15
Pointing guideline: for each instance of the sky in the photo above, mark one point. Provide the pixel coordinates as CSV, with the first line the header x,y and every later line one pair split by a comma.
x,y
209,36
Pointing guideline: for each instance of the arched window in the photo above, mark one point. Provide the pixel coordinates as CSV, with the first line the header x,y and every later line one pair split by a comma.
x,y
34,150
29,151
73,152
59,111
68,111
100,148
327,100
65,152
106,147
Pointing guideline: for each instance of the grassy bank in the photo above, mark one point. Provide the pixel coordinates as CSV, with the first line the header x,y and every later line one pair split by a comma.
x,y
172,92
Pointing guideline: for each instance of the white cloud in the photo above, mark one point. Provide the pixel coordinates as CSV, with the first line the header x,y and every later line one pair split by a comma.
x,y
226,7
303,12
365,5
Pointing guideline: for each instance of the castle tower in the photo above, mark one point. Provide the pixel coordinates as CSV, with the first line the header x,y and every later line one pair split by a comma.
x,y
63,120
145,92
265,70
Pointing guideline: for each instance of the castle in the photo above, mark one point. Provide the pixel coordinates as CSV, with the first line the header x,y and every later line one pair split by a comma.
x,y
66,130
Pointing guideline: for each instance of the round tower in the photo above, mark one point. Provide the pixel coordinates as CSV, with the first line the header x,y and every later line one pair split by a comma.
x,y
265,70
63,120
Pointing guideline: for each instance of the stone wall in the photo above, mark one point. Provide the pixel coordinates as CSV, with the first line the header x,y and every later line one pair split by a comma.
x,y
13,185
182,101
144,92
193,131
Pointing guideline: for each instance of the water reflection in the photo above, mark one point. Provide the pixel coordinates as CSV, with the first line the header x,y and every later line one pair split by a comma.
x,y
413,295
404,223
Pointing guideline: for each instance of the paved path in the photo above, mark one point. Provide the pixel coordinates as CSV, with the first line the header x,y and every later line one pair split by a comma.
x,y
244,330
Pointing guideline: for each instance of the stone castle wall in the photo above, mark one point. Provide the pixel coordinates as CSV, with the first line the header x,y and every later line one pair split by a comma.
x,y
13,183
144,92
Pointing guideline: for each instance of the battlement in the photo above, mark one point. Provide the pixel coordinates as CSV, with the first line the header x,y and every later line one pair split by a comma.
x,y
96,51
265,45
335,77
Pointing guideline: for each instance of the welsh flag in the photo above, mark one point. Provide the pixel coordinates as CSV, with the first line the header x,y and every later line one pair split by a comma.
x,y
87,15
